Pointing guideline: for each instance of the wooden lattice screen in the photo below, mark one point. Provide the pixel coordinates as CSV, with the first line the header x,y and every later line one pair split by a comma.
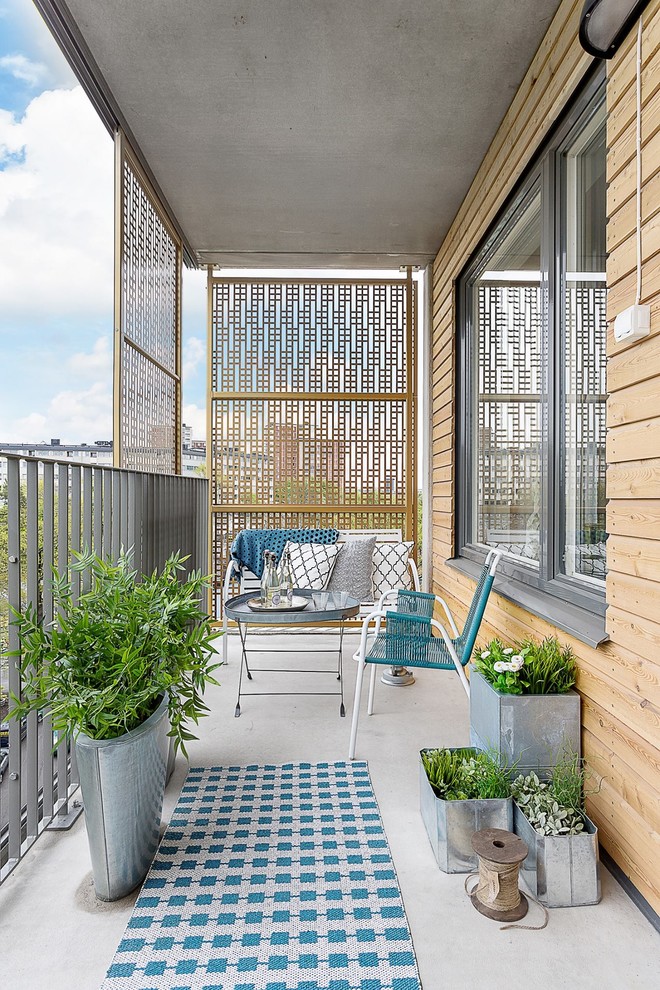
x,y
147,430
312,396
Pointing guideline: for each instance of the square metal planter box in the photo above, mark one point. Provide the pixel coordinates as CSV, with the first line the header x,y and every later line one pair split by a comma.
x,y
532,730
560,870
451,824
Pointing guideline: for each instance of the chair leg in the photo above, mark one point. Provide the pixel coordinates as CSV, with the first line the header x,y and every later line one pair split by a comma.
x,y
356,709
372,689
224,640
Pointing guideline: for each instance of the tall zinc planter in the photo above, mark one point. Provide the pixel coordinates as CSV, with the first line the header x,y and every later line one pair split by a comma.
x,y
530,731
123,783
450,825
561,870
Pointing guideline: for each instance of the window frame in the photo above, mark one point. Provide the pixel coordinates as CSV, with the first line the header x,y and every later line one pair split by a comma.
x,y
545,582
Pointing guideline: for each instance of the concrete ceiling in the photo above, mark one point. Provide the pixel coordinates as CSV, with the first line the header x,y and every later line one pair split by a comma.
x,y
339,133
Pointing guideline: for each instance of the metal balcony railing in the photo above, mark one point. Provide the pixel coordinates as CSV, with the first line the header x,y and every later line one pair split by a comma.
x,y
48,509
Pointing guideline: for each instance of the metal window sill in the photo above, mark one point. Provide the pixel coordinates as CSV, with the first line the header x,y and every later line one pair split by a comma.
x,y
578,622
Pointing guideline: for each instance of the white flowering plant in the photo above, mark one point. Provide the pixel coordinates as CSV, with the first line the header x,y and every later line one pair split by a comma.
x,y
528,667
502,666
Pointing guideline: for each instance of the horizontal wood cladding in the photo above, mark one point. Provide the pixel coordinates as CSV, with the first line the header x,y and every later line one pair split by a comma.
x,y
632,404
623,222
620,681
636,595
634,441
639,362
627,555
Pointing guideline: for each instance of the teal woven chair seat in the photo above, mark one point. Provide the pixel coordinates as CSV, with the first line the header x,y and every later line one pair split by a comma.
x,y
412,637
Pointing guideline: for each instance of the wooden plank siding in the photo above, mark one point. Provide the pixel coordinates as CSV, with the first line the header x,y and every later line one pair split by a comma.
x,y
620,681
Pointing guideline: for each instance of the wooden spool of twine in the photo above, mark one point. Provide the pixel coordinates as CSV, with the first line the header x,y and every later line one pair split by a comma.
x,y
497,895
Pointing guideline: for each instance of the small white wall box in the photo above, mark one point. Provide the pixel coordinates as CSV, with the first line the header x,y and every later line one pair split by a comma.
x,y
633,323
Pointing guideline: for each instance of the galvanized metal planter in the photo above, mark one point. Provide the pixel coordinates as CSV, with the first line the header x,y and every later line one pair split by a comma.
x,y
123,782
451,824
532,731
561,870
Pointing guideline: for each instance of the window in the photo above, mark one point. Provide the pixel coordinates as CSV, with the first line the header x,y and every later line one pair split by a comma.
x,y
532,339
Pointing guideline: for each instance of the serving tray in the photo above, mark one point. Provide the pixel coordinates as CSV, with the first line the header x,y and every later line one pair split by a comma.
x,y
297,605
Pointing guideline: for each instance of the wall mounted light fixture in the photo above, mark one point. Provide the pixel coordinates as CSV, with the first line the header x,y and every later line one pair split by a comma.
x,y
605,23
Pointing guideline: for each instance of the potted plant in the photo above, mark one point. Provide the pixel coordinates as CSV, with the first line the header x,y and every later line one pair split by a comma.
x,y
462,791
522,705
562,866
122,670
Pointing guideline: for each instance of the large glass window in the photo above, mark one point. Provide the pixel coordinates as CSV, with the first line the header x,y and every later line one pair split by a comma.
x,y
532,389
505,300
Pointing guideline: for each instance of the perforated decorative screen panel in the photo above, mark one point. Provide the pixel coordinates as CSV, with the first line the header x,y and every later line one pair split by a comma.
x,y
312,402
147,354
151,428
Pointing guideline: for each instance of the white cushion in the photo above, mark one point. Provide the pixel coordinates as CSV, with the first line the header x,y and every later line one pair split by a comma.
x,y
391,570
312,563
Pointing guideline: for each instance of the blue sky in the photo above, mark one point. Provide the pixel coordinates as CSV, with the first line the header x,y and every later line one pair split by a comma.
x,y
56,250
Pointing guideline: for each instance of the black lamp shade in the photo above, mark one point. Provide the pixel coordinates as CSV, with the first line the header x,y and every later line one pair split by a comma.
x,y
605,23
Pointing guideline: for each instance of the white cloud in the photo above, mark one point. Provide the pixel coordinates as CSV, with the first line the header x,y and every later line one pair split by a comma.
x,y
97,362
23,68
195,417
193,354
56,209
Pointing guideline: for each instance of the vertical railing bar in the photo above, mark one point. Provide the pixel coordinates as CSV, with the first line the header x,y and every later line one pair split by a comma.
x,y
97,512
204,527
159,521
130,521
14,601
48,561
74,540
151,523
107,512
184,520
140,487
123,511
31,772
63,551
87,513
115,514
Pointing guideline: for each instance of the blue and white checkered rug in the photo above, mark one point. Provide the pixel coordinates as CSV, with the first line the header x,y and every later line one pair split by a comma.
x,y
270,878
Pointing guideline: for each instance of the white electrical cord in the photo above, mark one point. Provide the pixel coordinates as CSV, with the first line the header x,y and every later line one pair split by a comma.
x,y
639,163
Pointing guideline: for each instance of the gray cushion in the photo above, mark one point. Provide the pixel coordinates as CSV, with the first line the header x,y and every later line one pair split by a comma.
x,y
353,571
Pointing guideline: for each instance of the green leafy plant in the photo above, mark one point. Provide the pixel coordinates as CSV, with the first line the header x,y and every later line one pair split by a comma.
x,y
528,667
103,667
550,668
463,774
555,806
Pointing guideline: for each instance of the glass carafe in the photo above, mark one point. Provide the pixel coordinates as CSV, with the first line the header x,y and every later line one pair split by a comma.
x,y
286,580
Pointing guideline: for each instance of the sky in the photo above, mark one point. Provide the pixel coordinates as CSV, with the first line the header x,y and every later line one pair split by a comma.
x,y
56,251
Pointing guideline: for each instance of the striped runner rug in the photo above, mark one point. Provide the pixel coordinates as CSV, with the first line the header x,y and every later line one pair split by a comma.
x,y
270,878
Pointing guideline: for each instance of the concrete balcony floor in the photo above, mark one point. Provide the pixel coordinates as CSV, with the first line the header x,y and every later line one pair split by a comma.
x,y
55,935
